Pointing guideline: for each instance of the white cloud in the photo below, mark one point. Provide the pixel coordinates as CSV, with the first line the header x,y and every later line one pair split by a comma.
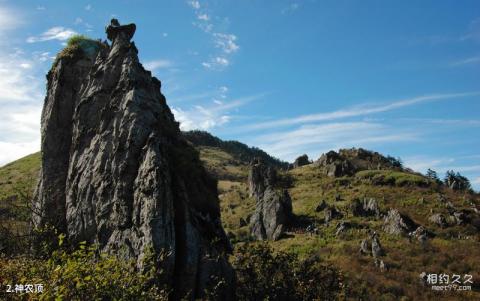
x,y
476,181
203,17
78,20
195,4
226,42
55,33
357,111
207,118
314,139
290,8
216,63
157,64
41,7
88,7
9,19
21,99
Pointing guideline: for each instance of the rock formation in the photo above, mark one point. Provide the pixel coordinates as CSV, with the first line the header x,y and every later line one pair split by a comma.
x,y
398,224
273,207
439,220
349,161
301,161
367,207
117,172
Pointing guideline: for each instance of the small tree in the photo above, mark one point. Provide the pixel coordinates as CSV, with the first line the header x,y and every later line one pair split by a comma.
x,y
432,175
456,181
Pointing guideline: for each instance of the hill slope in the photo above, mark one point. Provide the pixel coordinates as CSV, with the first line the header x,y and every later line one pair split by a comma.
x,y
452,250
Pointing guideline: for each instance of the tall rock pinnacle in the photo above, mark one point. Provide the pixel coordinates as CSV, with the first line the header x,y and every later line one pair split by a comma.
x,y
117,172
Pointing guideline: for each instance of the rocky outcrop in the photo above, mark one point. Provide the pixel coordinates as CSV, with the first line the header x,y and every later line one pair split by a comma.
x,y
349,161
367,207
301,161
273,207
333,165
439,220
398,224
331,213
117,172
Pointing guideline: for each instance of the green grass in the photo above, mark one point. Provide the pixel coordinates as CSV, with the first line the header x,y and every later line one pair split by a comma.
x,y
397,178
79,45
18,174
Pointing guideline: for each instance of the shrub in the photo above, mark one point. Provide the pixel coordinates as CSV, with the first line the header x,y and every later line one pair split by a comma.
x,y
84,274
266,275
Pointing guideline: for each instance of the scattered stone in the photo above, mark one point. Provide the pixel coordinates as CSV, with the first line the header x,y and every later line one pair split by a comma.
x,y
377,249
367,207
342,227
379,263
439,220
365,247
398,224
421,234
331,213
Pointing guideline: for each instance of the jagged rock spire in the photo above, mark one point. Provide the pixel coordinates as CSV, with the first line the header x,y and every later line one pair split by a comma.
x,y
121,173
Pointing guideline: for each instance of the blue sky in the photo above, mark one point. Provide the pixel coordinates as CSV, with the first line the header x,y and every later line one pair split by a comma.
x,y
291,77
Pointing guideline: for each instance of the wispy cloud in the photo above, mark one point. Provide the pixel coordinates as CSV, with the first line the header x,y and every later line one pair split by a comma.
x,y
292,7
216,63
157,64
225,42
467,61
316,138
88,7
473,33
357,111
209,117
9,20
55,33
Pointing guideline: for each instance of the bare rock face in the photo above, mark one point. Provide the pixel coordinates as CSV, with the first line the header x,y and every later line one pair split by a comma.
x,y
117,172
398,224
260,177
273,209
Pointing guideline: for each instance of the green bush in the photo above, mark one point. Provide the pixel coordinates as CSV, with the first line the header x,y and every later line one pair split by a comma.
x,y
394,178
84,274
266,275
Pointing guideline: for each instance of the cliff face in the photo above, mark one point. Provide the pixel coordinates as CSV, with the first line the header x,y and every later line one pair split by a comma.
x,y
116,170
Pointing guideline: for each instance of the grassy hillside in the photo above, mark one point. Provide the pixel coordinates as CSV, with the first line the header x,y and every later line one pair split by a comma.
x,y
453,250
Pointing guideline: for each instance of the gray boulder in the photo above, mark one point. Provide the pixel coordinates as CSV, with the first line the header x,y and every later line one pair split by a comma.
x,y
377,249
398,224
117,172
365,247
439,220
